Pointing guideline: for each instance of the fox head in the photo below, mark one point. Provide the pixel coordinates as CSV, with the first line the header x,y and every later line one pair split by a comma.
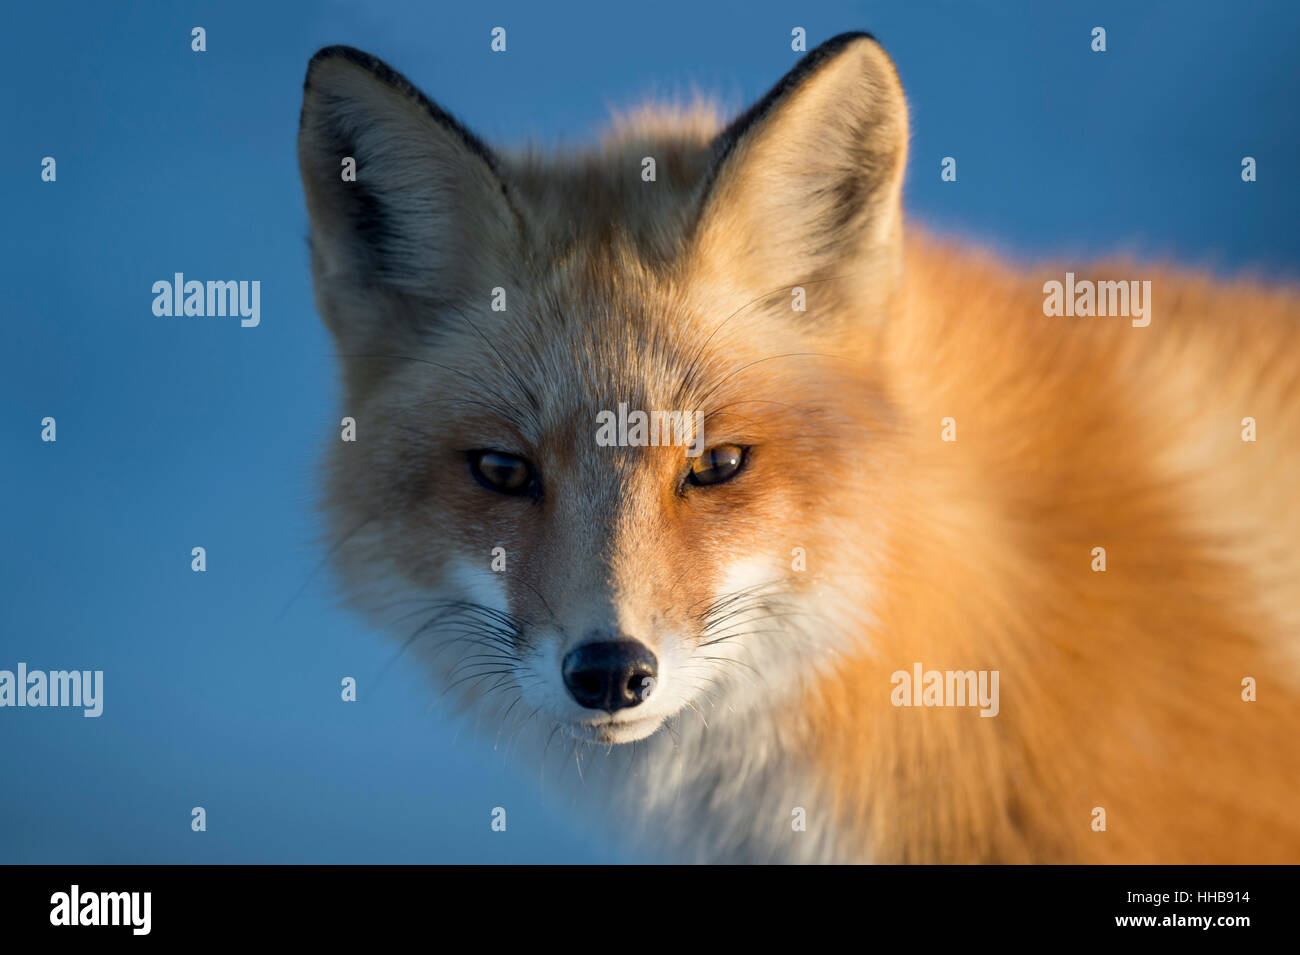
x,y
513,327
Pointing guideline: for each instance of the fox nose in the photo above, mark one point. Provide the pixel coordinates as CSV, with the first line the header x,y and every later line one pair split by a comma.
x,y
610,675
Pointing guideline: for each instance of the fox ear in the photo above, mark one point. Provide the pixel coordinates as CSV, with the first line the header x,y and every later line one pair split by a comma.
x,y
425,211
806,184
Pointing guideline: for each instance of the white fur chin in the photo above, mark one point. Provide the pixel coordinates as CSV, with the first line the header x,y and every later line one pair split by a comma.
x,y
664,775
617,731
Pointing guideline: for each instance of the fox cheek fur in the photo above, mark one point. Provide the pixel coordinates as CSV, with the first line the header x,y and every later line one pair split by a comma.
x,y
743,633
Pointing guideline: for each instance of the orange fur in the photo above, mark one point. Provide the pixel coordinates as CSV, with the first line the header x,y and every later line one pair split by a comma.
x,y
1120,689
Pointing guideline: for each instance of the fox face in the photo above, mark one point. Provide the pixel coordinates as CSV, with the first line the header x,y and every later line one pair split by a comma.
x,y
642,445
604,401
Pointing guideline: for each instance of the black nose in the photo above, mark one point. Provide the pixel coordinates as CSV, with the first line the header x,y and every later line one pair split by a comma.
x,y
610,675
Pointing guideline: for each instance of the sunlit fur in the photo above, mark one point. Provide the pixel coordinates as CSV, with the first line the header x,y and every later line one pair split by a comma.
x,y
855,542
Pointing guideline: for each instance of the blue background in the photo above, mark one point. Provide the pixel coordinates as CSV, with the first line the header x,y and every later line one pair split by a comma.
x,y
222,689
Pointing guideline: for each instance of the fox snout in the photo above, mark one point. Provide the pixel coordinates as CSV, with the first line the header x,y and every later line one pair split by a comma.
x,y
610,675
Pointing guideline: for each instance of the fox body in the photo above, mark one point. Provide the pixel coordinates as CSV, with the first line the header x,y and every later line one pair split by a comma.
x,y
909,467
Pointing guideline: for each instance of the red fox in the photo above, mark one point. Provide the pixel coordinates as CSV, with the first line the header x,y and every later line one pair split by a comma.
x,y
801,537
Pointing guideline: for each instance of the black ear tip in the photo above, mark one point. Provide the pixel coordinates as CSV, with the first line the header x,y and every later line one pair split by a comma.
x,y
847,37
335,49
829,48
359,58
395,81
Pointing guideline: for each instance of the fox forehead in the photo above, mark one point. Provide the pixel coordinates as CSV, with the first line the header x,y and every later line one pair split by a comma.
x,y
635,196
585,339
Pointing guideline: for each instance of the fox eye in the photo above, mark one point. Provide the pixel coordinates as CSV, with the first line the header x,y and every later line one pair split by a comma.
x,y
717,465
503,473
